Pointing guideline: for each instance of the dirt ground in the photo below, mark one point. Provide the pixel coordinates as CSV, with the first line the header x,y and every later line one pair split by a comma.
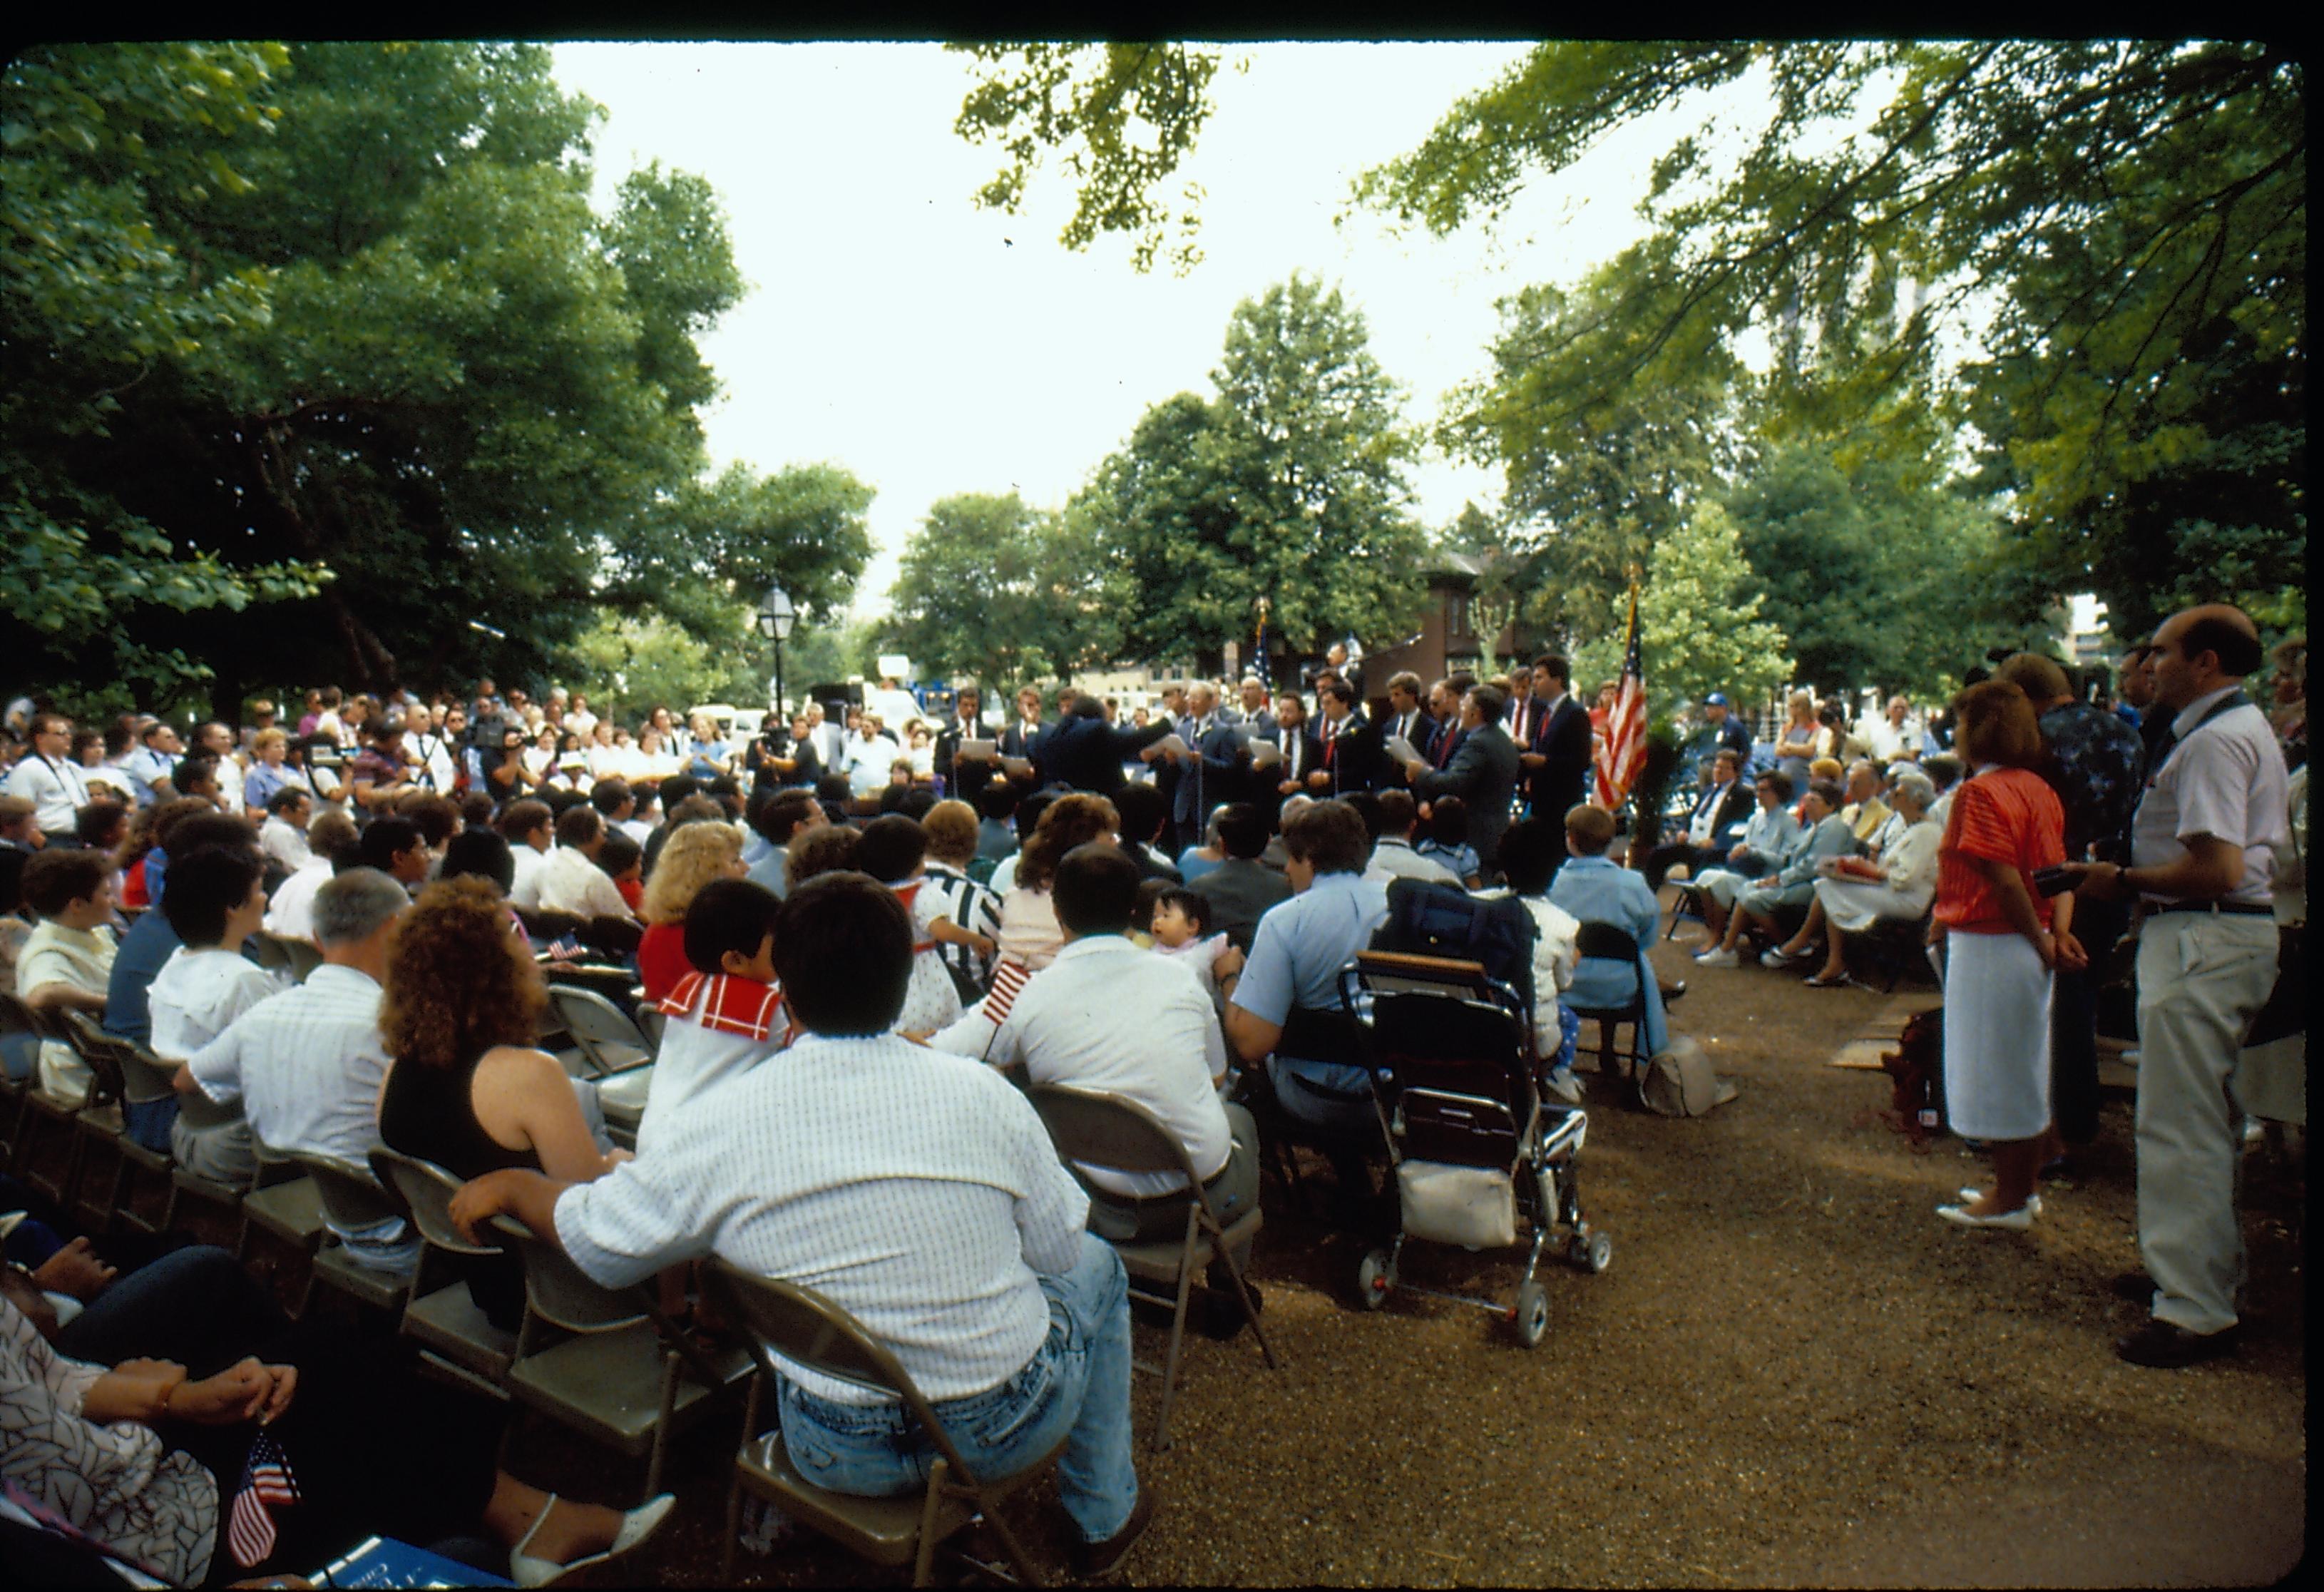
x,y
1792,1374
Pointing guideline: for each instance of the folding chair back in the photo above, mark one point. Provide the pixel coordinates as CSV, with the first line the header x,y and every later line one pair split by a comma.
x,y
107,1087
808,1329
269,952
297,957
560,1293
1612,943
608,1040
426,1190
617,937
544,924
352,1197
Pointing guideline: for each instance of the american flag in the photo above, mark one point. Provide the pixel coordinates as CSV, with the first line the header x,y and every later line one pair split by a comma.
x,y
1009,977
1259,664
1624,749
265,1480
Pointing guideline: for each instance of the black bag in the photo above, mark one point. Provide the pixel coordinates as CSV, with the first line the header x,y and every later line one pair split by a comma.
x,y
1443,921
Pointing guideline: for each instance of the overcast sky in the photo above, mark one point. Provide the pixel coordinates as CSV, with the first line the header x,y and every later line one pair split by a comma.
x,y
933,347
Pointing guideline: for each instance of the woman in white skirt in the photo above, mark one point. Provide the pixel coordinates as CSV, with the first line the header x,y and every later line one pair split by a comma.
x,y
2002,939
1897,885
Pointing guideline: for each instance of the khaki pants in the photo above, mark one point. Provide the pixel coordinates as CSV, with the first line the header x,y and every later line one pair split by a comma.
x,y
2202,978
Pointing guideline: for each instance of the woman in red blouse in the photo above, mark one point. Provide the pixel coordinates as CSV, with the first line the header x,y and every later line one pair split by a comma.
x,y
2003,940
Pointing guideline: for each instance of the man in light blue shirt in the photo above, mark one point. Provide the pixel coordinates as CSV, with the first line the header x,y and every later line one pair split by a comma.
x,y
154,763
1597,890
1288,997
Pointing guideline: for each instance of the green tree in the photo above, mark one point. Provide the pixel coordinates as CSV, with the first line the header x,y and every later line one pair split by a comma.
x,y
999,591
1700,623
1879,576
1289,486
631,664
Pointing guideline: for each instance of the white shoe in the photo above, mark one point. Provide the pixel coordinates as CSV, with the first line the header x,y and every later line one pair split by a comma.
x,y
1971,1196
1566,1086
637,1525
1717,958
2013,1221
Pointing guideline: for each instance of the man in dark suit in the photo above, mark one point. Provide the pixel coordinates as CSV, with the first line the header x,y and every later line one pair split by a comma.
x,y
1483,773
1557,760
1303,754
1350,744
1025,734
1404,717
964,779
1714,828
1444,711
1207,769
1084,753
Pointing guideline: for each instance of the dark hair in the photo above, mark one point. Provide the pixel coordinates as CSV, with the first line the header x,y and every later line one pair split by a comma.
x,y
480,853
1943,769
458,982
844,950
997,801
99,824
1026,814
1448,821
476,810
1143,808
1398,813
1829,793
438,817
195,830
1328,837
608,794
1367,808
205,887
1530,854
1242,832
1339,690
779,819
1192,903
728,915
830,849
520,819
1492,703
1556,668
1094,889
2237,651
619,854
1779,782
286,798
193,768
387,839
677,789
60,876
560,800
1588,829
579,825
1087,706
891,849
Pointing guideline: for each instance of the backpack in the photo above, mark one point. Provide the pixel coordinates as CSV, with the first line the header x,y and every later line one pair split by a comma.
x,y
1679,1081
1431,920
1916,1075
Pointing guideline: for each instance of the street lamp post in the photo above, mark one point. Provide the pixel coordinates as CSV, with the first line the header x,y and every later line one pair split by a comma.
x,y
776,617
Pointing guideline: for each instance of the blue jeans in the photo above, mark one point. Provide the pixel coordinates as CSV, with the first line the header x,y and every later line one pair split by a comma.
x,y
1077,1385
149,1122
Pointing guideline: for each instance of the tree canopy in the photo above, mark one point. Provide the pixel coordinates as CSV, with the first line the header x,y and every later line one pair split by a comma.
x,y
334,328
1000,591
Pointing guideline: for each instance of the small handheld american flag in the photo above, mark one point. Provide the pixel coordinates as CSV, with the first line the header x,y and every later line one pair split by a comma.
x,y
1624,750
266,1485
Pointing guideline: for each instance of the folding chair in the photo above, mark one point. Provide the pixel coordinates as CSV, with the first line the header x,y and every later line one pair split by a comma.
x,y
299,958
542,925
627,1375
1686,903
105,1120
616,936
267,950
446,1322
351,1199
36,1106
608,1040
1095,1129
1612,943
284,1203
808,1329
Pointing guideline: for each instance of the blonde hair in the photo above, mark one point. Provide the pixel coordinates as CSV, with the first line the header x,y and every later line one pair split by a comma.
x,y
1825,768
694,855
268,737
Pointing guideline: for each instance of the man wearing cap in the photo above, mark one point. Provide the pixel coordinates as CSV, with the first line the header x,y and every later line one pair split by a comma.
x,y
1726,729
2203,844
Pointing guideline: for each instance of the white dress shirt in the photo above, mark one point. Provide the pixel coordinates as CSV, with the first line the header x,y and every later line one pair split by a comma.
x,y
284,842
917,1189
2224,779
525,893
58,790
82,959
1106,1016
1393,858
570,881
291,913
305,1066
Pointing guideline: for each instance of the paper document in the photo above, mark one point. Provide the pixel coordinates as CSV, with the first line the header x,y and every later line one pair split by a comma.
x,y
1018,767
1265,755
1171,745
1403,751
979,751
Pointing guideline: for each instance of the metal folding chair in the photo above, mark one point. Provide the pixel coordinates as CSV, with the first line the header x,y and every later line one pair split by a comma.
x,y
608,1040
104,1121
1611,942
627,1375
351,1199
284,1203
36,1107
809,1330
1098,1129
446,1322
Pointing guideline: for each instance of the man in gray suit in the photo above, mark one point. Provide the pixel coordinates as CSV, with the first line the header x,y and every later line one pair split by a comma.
x,y
1483,773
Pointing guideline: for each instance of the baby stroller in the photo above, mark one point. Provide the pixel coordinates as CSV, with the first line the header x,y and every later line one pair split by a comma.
x,y
1481,1157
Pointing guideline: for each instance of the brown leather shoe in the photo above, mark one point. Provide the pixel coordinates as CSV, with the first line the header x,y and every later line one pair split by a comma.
x,y
2164,1346
1093,1559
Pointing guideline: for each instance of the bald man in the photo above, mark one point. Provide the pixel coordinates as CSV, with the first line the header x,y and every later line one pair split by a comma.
x,y
2212,821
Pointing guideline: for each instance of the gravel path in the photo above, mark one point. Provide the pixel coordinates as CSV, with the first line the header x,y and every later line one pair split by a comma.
x,y
1793,1374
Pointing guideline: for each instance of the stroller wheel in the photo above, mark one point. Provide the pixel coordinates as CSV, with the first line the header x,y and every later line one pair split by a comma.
x,y
1600,1253
1374,1278
1532,1312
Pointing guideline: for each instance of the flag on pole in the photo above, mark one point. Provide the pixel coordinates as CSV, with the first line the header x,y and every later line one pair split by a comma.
x,y
1260,665
1623,752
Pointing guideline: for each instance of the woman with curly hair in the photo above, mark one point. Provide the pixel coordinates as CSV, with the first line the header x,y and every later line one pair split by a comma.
x,y
1029,933
694,855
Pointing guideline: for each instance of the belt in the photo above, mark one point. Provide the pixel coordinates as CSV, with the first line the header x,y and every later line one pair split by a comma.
x,y
2238,909
1209,1183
